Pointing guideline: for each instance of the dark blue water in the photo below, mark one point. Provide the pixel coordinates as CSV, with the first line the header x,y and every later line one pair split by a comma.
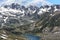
x,y
32,37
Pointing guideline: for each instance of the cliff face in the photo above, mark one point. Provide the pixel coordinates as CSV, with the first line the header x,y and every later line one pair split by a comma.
x,y
49,21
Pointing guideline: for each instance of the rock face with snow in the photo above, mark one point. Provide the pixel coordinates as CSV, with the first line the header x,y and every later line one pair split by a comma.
x,y
18,19
17,15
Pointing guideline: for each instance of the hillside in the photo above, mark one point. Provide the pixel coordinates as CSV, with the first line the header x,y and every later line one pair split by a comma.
x,y
17,20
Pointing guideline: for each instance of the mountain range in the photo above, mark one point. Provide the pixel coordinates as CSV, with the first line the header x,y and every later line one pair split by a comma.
x,y
18,19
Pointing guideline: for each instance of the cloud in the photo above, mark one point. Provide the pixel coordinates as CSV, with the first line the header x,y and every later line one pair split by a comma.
x,y
27,2
36,2
8,1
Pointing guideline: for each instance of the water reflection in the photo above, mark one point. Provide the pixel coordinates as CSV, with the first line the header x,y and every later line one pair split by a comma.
x,y
32,37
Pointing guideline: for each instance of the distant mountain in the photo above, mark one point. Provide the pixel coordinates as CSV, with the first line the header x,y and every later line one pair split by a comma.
x,y
16,19
31,16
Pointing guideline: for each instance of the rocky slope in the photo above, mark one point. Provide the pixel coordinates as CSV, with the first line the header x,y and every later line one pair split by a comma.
x,y
17,20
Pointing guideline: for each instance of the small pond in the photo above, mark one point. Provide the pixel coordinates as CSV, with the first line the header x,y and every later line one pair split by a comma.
x,y
32,37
